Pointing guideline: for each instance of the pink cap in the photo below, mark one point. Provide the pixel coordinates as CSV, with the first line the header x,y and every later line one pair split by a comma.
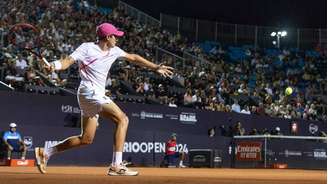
x,y
106,29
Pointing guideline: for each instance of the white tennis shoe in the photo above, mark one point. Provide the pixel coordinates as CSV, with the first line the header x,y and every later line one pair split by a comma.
x,y
41,159
121,170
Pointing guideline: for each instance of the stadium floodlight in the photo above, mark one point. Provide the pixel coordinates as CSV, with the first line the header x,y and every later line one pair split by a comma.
x,y
278,35
284,33
273,34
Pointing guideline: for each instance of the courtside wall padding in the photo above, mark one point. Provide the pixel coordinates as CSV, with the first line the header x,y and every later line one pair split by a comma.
x,y
52,118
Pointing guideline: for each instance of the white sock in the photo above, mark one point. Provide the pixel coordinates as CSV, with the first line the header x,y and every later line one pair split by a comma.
x,y
50,151
118,158
181,162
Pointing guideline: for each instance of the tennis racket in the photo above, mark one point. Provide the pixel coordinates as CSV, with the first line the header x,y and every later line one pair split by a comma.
x,y
26,37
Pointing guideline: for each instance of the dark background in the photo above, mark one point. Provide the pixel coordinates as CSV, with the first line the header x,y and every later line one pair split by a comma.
x,y
278,13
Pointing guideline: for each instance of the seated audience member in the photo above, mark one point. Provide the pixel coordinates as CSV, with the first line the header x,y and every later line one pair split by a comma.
x,y
13,142
238,129
276,131
253,132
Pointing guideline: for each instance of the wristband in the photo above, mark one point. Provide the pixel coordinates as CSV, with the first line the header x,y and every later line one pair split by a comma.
x,y
57,65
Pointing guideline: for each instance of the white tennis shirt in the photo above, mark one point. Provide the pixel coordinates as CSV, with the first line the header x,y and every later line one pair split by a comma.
x,y
94,65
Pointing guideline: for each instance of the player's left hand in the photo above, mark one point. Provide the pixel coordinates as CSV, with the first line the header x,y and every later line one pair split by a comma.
x,y
165,71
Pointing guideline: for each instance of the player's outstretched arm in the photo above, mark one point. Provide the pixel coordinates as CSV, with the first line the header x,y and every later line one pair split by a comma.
x,y
61,64
163,70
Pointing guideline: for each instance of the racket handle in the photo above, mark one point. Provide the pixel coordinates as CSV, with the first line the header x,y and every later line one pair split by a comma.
x,y
46,62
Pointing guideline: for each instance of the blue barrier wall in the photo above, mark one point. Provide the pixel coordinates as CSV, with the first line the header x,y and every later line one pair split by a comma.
x,y
52,118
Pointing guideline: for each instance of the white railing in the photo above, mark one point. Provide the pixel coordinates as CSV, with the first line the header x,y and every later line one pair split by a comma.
x,y
140,16
174,60
143,18
204,30
279,137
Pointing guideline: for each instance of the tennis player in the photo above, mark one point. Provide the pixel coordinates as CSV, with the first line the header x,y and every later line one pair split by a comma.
x,y
95,60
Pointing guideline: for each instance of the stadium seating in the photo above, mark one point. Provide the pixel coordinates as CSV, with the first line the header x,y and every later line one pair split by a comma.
x,y
230,72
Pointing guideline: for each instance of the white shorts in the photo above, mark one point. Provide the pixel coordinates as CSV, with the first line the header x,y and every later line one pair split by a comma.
x,y
90,102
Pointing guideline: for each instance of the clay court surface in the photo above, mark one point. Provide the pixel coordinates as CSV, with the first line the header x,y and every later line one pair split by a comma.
x,y
97,175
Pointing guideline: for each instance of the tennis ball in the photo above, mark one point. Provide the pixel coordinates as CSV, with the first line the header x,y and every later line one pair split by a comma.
x,y
289,91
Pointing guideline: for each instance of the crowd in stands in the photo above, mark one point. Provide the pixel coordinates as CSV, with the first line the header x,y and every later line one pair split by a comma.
x,y
254,82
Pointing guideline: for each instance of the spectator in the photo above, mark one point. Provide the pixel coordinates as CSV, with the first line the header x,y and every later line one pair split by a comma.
x,y
172,103
21,65
212,131
235,106
13,142
276,131
146,85
322,134
265,131
187,99
140,88
253,132
245,110
162,95
238,129
223,131
268,89
171,154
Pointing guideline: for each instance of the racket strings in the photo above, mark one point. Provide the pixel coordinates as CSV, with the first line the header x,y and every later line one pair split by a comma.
x,y
24,37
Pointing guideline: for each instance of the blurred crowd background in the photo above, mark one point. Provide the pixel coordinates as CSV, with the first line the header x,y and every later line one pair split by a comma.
x,y
212,79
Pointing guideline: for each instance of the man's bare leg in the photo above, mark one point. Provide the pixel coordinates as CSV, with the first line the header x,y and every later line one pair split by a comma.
x,y
88,130
181,159
24,150
114,113
114,145
8,153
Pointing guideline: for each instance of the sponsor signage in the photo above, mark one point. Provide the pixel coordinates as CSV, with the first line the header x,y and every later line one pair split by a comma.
x,y
291,153
20,163
49,144
172,116
28,141
188,118
249,151
70,109
320,154
148,115
144,115
150,147
313,128
183,117
45,122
